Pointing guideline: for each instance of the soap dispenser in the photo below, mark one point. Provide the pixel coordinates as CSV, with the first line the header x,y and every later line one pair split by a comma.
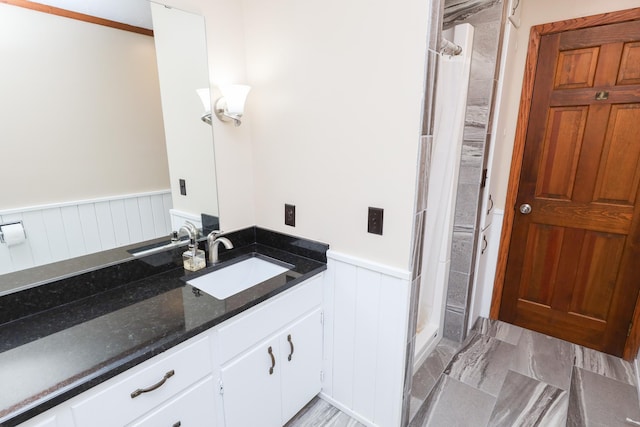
x,y
194,259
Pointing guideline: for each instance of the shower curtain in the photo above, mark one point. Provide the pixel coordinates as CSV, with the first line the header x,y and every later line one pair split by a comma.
x,y
450,106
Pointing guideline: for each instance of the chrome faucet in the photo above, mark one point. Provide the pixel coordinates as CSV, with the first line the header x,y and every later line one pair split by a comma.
x,y
191,230
214,241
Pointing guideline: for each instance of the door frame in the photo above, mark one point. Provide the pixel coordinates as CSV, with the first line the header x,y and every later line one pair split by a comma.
x,y
633,341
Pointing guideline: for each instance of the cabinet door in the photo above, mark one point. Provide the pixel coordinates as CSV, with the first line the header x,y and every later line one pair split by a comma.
x,y
252,389
301,375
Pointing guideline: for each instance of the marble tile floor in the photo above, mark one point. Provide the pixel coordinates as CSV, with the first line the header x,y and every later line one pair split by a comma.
x,y
506,376
503,375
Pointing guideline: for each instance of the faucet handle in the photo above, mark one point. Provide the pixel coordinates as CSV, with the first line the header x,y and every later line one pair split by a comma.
x,y
214,234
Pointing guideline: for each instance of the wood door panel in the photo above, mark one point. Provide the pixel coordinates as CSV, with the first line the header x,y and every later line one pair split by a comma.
x,y
561,152
587,331
540,268
576,68
597,271
572,269
619,173
630,65
589,216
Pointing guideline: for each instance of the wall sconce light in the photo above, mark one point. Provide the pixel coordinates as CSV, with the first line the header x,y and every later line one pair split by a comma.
x,y
205,97
230,106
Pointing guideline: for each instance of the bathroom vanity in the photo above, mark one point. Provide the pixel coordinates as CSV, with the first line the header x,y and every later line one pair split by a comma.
x,y
145,348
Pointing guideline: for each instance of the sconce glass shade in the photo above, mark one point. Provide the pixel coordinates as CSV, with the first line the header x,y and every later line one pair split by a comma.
x,y
235,95
205,97
230,107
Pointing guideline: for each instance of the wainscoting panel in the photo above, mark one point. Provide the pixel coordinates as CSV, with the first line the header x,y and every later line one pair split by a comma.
x,y
365,332
61,231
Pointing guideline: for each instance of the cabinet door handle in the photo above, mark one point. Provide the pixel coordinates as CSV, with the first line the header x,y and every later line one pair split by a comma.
x,y
177,424
157,385
290,344
484,244
273,360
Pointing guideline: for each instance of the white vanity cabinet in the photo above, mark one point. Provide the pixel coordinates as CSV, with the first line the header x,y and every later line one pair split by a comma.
x,y
218,378
146,387
271,359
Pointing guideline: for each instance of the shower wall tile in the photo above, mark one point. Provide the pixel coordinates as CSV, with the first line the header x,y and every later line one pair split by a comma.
x,y
474,132
472,11
430,90
454,322
457,290
418,243
480,92
466,212
436,13
461,251
486,17
485,49
477,116
426,143
413,307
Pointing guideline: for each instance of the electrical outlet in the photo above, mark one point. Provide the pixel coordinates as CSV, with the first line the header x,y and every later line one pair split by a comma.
x,y
183,187
374,224
290,215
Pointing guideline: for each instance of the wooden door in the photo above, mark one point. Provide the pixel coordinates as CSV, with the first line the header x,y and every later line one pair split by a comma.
x,y
573,267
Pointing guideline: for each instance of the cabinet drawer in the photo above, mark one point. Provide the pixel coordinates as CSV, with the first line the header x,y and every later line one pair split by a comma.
x,y
193,408
114,405
243,331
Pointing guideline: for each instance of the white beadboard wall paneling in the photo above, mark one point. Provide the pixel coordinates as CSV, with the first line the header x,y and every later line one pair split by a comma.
x,y
157,209
60,231
55,234
134,219
90,230
106,226
366,315
344,332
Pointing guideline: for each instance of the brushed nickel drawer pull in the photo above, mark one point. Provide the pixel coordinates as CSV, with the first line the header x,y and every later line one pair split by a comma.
x,y
291,344
157,385
273,360
178,424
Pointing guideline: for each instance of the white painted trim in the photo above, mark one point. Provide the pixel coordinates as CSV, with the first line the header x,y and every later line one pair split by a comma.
x,y
346,410
82,202
370,265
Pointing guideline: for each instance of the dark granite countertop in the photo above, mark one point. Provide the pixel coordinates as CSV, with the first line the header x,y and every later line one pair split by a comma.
x,y
60,339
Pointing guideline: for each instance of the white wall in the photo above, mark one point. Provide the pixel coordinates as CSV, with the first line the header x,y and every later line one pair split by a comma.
x,y
336,118
80,110
534,12
332,123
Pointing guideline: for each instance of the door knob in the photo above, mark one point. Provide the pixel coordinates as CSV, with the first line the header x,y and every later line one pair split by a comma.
x,y
525,208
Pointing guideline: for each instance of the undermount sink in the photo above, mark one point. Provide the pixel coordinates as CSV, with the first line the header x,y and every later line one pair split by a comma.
x,y
237,277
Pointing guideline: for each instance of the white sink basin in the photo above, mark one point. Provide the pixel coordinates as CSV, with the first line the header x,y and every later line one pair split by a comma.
x,y
237,277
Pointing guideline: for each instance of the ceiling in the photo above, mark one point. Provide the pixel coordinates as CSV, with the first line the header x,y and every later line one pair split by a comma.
x,y
132,12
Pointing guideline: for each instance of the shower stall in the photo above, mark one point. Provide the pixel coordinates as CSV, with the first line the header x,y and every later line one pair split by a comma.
x,y
454,66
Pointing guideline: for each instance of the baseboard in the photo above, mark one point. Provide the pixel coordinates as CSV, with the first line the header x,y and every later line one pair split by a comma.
x,y
346,410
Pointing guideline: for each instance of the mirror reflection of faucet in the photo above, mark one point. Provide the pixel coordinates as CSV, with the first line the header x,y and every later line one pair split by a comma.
x,y
214,239
193,259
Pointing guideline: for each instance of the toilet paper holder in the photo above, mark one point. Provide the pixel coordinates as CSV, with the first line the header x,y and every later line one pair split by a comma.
x,y
11,223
